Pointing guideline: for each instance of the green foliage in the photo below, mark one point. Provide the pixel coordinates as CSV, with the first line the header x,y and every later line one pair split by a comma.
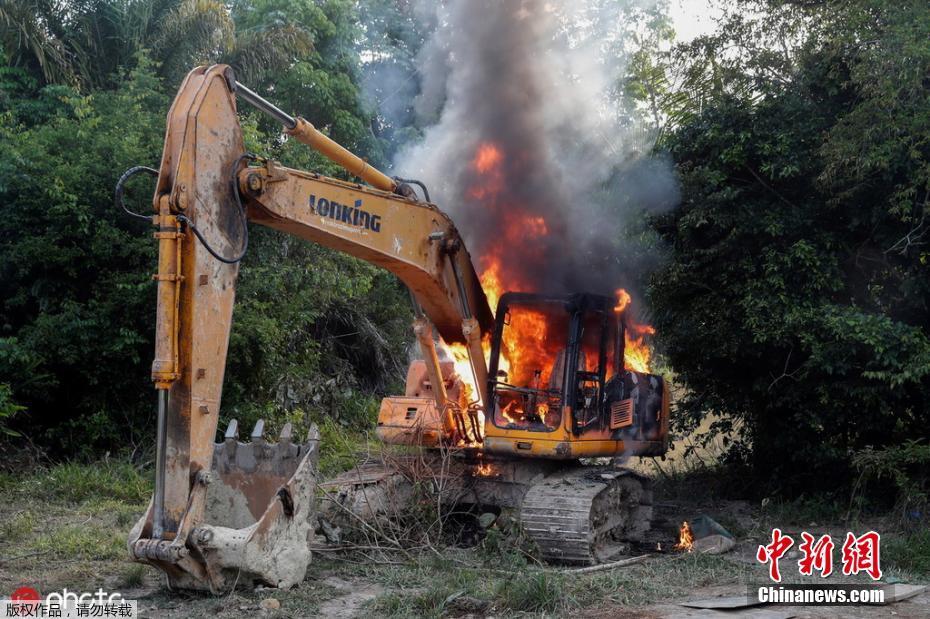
x,y
133,577
506,545
802,510
339,447
8,408
87,43
794,302
428,603
75,295
906,466
83,543
76,483
314,330
534,592
429,587
18,527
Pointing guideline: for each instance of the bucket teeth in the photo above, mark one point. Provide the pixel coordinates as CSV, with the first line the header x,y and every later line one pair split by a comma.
x,y
257,452
284,441
232,430
231,439
258,431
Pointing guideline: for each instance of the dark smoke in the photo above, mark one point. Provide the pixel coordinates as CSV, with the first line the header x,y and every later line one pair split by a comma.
x,y
535,79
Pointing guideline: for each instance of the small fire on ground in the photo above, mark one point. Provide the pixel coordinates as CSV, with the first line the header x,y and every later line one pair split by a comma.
x,y
685,538
485,469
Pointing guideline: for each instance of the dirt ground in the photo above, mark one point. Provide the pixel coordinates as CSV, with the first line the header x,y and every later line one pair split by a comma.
x,y
65,528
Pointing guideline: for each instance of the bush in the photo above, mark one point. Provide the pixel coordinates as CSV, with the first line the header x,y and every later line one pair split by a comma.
x,y
906,466
313,328
793,304
8,408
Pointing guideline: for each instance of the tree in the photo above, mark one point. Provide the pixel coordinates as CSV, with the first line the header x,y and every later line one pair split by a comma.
x,y
313,330
76,302
794,302
85,43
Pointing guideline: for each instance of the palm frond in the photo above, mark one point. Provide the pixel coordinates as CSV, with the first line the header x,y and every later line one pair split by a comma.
x,y
193,32
26,36
260,52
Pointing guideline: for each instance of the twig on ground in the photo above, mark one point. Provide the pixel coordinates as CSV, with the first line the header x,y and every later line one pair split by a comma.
x,y
607,566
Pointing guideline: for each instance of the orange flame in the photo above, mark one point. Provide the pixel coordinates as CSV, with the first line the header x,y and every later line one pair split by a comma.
x,y
458,353
485,469
637,355
623,300
487,157
487,163
526,353
685,538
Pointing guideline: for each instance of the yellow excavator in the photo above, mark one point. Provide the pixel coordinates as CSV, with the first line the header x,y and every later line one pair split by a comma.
x,y
521,424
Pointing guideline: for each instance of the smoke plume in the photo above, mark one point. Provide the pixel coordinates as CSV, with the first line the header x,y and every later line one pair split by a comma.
x,y
527,150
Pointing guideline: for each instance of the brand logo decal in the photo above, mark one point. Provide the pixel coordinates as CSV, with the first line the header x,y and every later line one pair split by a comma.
x,y
354,216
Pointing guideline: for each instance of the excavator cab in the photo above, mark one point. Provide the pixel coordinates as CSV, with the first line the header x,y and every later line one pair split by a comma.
x,y
558,387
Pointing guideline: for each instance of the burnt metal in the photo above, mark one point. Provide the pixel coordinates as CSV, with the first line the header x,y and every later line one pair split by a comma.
x,y
578,306
645,391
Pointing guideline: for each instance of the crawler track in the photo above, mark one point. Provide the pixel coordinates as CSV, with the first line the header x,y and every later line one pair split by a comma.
x,y
583,515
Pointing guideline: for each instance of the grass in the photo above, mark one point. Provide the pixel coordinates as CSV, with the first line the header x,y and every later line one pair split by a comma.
x,y
133,576
426,604
18,526
339,447
66,526
909,553
76,483
432,586
540,592
803,511
81,542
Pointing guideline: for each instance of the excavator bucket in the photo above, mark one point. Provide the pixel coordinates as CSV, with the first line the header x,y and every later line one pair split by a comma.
x,y
248,521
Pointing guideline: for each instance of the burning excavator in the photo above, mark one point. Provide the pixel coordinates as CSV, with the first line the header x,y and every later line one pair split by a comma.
x,y
522,394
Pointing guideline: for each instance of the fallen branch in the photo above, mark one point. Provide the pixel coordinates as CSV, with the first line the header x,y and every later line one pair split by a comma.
x,y
608,566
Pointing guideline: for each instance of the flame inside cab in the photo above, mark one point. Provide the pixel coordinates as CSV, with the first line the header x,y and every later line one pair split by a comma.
x,y
559,387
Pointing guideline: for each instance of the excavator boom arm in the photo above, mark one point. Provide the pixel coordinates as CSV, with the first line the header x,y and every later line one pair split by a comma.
x,y
208,190
413,240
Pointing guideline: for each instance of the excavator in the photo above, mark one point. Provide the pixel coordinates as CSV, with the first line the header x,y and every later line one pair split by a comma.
x,y
527,426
